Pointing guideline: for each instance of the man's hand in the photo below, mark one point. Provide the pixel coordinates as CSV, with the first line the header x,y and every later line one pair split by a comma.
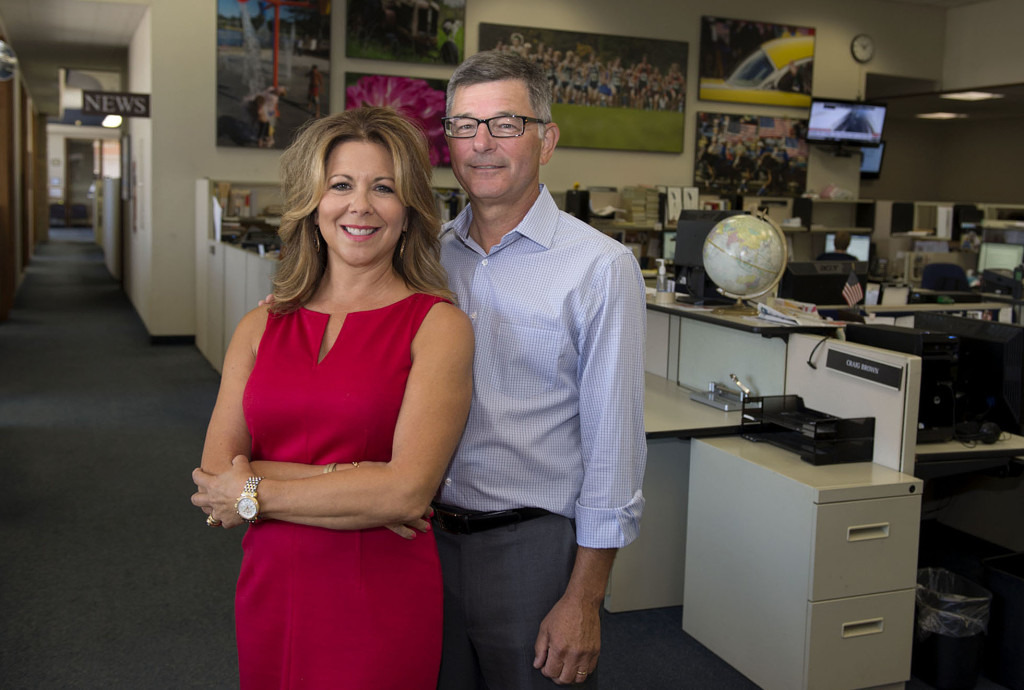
x,y
266,301
569,641
408,530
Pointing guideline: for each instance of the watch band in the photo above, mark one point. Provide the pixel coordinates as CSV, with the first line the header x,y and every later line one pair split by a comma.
x,y
251,484
249,500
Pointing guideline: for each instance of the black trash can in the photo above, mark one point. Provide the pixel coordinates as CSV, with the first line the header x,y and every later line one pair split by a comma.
x,y
1004,658
949,634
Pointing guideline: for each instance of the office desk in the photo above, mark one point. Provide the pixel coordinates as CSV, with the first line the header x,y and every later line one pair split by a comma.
x,y
950,458
670,413
750,324
926,296
694,346
890,309
649,572
1008,301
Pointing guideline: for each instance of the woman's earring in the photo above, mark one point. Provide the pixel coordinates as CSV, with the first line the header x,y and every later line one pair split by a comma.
x,y
316,237
401,250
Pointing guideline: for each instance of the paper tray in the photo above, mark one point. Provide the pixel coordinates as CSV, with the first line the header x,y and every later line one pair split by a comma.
x,y
818,438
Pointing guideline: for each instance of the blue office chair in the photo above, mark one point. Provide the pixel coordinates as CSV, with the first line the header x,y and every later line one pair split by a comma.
x,y
944,277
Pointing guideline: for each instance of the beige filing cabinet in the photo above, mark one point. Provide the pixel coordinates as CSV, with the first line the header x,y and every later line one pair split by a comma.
x,y
801,576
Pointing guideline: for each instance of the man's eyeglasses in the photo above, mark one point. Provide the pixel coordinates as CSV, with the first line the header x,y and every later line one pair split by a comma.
x,y
499,126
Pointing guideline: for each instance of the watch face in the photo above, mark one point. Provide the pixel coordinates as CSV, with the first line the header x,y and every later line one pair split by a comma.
x,y
248,507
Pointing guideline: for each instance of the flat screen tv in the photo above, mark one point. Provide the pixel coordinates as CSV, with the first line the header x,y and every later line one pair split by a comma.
x,y
692,282
845,122
871,161
988,376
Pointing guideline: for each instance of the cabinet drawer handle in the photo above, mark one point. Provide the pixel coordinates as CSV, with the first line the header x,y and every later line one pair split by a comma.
x,y
866,532
872,626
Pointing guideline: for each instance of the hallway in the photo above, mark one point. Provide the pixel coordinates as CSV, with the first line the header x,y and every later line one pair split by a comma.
x,y
105,562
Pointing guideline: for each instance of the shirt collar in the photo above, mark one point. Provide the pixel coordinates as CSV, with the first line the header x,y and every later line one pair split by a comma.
x,y
538,225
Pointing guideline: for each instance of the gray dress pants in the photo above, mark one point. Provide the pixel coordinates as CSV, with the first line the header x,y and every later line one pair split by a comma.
x,y
498,587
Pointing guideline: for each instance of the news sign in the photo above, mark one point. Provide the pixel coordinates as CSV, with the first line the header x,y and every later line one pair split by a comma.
x,y
114,103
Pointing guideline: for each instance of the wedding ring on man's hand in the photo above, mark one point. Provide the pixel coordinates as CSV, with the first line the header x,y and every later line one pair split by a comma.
x,y
581,673
212,521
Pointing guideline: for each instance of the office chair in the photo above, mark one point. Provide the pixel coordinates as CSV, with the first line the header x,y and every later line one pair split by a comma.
x,y
944,277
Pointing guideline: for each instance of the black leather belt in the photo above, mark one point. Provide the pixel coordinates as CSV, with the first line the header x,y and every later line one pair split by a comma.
x,y
461,521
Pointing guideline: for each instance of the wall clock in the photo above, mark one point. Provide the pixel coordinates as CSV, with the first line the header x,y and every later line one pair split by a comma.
x,y
862,47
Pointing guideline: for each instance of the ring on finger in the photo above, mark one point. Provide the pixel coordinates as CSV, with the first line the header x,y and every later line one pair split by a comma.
x,y
212,521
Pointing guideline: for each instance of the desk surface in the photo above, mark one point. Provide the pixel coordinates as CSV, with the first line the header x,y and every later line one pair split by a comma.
x,y
750,324
849,481
1008,445
669,412
918,306
956,457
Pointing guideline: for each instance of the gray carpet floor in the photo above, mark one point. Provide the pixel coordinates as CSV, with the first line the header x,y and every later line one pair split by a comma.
x,y
109,578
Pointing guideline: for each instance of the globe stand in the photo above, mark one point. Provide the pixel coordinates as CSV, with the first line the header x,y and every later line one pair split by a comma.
x,y
739,308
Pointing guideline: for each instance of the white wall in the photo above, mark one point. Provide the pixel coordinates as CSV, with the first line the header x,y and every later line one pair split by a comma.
x,y
178,146
983,46
835,72
139,283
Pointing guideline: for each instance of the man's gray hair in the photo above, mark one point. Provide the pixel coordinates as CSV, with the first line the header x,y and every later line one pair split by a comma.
x,y
490,66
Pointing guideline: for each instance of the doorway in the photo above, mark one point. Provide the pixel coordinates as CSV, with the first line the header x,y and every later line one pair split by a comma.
x,y
80,183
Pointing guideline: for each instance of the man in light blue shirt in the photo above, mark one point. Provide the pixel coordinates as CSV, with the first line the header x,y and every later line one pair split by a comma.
x,y
545,485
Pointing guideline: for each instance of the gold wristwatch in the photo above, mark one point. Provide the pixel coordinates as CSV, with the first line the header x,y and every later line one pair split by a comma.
x,y
248,506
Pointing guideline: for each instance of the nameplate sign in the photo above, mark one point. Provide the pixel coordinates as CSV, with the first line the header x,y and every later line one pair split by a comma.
x,y
113,103
863,368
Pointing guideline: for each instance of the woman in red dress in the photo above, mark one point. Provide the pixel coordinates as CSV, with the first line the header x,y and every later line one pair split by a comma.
x,y
339,408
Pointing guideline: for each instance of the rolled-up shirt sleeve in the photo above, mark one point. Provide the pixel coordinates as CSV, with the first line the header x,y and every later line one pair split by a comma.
x,y
611,407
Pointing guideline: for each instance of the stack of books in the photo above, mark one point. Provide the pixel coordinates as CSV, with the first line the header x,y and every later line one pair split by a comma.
x,y
642,205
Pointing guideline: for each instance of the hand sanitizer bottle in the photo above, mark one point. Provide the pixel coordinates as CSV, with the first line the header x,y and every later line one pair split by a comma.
x,y
661,288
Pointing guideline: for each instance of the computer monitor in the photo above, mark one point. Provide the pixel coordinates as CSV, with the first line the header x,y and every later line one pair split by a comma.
x,y
860,246
819,282
691,280
997,255
989,368
871,161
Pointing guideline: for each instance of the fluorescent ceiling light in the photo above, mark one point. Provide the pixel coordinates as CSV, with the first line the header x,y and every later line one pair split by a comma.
x,y
940,116
971,96
111,121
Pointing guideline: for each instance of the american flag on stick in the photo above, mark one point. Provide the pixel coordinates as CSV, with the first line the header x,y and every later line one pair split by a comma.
x,y
852,291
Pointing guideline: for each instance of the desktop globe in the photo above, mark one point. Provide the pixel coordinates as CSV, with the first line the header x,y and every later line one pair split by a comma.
x,y
745,256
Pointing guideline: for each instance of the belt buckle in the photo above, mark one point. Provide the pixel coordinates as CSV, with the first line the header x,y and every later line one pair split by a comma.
x,y
455,523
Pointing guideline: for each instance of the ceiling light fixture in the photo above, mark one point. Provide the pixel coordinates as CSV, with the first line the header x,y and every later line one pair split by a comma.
x,y
940,116
971,96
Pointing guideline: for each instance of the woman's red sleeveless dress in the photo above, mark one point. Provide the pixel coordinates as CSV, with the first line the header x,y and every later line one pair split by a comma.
x,y
320,608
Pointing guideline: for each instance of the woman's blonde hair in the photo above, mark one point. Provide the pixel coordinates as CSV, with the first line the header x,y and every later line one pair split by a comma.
x,y
304,181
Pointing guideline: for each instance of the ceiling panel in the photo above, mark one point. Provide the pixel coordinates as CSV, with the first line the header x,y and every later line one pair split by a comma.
x,y
75,34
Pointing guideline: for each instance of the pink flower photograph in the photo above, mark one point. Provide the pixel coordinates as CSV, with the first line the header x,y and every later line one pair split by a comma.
x,y
420,100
